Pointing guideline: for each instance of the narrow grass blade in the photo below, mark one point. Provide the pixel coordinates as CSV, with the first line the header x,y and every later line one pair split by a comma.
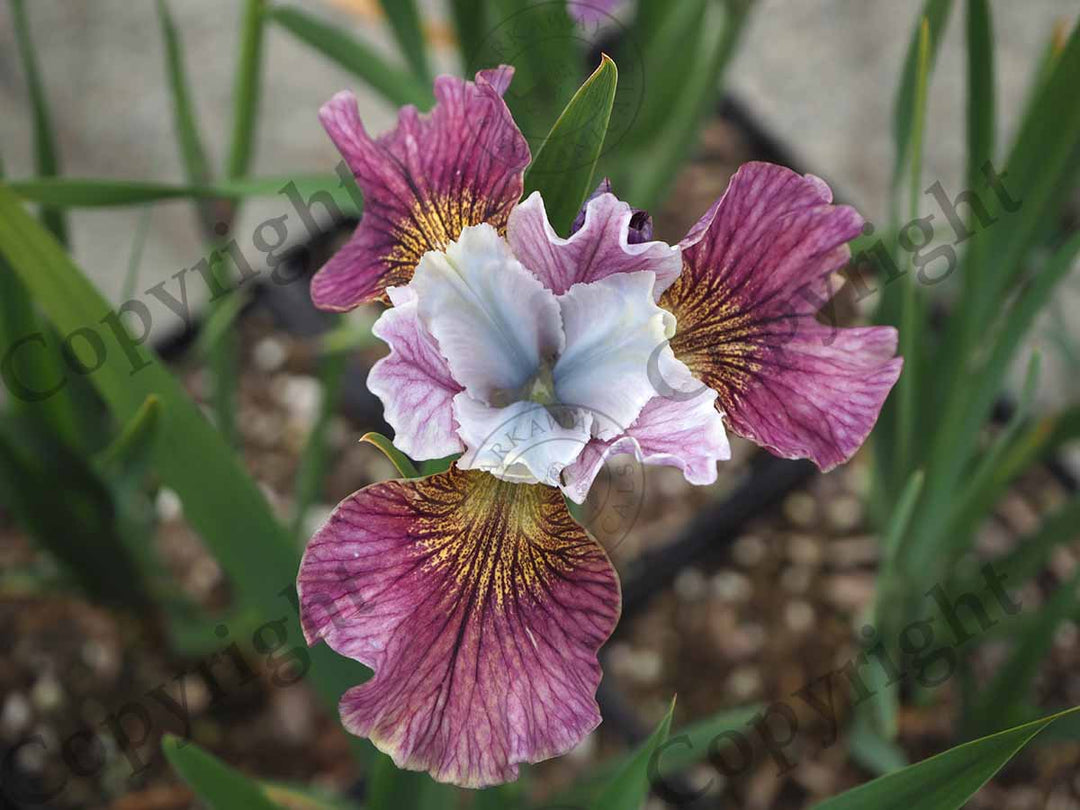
x,y
973,500
405,21
46,157
400,461
221,787
981,120
196,166
1040,171
944,782
134,446
630,785
93,193
562,171
396,85
969,405
246,90
936,14
138,245
911,320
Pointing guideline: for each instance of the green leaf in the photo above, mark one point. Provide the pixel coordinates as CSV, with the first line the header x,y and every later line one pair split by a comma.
x,y
405,21
629,787
46,159
221,501
470,24
562,170
541,42
686,747
944,782
396,85
397,458
936,13
221,787
60,501
246,90
667,59
132,448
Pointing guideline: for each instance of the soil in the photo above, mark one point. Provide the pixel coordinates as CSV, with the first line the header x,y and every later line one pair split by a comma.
x,y
774,609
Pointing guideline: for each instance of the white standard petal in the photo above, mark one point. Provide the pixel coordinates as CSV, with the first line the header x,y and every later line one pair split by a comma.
x,y
525,442
614,331
494,322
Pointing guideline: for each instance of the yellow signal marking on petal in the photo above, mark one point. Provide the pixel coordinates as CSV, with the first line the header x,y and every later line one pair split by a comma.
x,y
499,541
433,223
717,339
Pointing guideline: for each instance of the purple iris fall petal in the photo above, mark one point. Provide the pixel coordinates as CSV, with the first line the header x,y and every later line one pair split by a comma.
x,y
459,165
754,278
479,604
603,245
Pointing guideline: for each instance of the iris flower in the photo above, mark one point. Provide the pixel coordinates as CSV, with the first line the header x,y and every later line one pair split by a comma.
x,y
474,596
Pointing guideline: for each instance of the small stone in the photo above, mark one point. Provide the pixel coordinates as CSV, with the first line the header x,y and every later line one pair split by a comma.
x,y
742,642
47,693
799,616
800,509
749,550
301,397
690,585
270,354
850,591
168,505
744,682
16,715
844,513
853,552
100,658
796,580
804,550
731,586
